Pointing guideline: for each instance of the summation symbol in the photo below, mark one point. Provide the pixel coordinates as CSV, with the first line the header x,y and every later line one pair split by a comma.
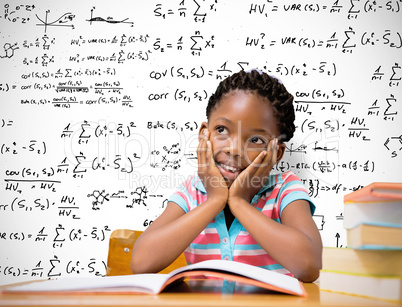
x,y
63,21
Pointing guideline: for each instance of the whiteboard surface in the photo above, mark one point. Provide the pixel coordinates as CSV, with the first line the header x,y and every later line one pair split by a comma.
x,y
101,104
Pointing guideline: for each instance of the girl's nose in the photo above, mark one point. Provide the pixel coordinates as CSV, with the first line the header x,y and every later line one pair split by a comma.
x,y
235,147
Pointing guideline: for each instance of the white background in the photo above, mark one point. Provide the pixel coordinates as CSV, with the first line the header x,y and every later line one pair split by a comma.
x,y
80,82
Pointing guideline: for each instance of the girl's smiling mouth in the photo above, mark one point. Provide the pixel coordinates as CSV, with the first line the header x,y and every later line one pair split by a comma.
x,y
228,171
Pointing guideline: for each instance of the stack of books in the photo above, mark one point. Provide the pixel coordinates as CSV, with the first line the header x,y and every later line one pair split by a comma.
x,y
371,265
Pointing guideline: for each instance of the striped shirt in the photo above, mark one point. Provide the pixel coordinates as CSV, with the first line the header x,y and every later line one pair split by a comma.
x,y
236,244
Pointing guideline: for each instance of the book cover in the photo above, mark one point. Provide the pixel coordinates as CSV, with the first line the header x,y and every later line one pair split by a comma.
x,y
388,213
375,236
155,283
377,287
381,262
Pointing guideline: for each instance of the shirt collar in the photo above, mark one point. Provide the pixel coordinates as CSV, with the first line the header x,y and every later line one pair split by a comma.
x,y
198,184
271,181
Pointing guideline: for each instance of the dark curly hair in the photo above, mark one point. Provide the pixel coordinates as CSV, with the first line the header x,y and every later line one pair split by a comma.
x,y
264,85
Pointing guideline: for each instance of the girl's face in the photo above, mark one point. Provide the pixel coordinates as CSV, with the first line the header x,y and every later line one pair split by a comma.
x,y
240,126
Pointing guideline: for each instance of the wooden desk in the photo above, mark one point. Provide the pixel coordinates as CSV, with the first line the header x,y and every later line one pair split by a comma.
x,y
198,293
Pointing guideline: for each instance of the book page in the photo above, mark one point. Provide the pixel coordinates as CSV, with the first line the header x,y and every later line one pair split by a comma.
x,y
144,283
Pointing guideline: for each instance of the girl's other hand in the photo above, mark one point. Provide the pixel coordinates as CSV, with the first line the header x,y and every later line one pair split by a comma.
x,y
253,178
209,174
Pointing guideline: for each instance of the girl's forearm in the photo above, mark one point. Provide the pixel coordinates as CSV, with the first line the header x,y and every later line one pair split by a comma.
x,y
290,247
164,241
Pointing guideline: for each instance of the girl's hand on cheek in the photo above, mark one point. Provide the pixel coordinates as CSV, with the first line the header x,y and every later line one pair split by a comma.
x,y
209,174
253,178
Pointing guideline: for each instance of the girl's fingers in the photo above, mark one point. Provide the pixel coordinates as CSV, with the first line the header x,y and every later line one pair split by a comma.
x,y
209,158
202,148
269,160
259,169
207,149
201,152
255,164
259,160
274,153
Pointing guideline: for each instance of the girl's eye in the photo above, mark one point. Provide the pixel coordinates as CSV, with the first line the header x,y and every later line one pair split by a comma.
x,y
257,140
222,130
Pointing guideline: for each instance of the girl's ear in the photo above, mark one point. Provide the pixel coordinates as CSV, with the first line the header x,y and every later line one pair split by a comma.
x,y
281,151
203,126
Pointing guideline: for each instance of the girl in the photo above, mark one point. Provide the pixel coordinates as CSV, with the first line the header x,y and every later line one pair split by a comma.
x,y
235,209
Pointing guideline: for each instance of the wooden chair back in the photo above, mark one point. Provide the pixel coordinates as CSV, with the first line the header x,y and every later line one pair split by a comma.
x,y
121,244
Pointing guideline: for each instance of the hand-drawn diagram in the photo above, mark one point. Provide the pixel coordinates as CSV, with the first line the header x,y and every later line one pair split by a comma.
x,y
8,50
63,21
108,19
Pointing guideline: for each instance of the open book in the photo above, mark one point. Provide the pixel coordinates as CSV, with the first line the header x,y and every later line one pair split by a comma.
x,y
155,283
